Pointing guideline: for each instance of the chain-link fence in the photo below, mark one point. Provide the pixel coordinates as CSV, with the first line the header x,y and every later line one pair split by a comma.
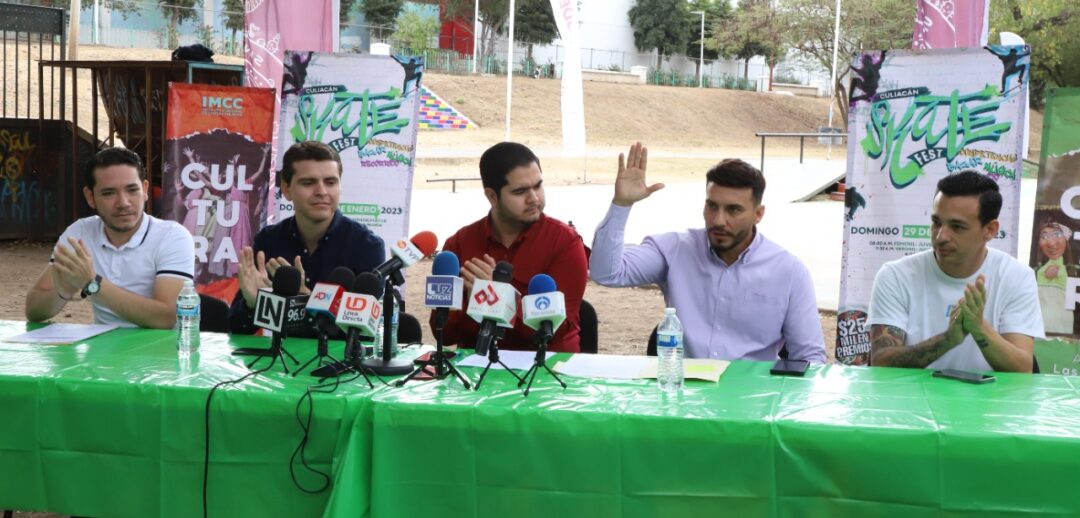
x,y
148,24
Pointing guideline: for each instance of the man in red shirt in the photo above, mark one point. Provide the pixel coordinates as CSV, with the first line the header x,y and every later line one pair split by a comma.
x,y
517,231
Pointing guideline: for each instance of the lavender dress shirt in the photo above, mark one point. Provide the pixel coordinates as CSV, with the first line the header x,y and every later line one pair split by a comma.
x,y
747,310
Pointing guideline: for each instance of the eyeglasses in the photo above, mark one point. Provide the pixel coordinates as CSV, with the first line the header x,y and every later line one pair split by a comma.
x,y
1057,234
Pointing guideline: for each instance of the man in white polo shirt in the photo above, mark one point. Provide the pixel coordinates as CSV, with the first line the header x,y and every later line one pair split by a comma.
x,y
130,264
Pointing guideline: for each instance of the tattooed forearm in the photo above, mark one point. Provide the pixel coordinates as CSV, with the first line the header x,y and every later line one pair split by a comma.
x,y
887,348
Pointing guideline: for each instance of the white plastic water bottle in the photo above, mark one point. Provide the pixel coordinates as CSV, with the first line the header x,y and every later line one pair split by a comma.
x,y
393,328
187,320
669,352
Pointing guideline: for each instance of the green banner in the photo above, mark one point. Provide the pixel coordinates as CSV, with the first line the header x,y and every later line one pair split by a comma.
x,y
1054,251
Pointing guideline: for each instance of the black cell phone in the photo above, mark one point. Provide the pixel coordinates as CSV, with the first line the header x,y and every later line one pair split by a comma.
x,y
790,367
965,376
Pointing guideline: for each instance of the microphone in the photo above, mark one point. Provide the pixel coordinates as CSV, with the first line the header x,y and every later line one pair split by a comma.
x,y
543,309
444,288
271,306
492,303
279,311
359,311
405,254
322,305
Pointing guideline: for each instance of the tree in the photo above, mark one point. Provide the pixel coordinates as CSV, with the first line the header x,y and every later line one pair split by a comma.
x,y
124,7
345,12
177,12
233,15
755,29
661,25
1052,28
865,25
381,14
414,31
534,23
716,13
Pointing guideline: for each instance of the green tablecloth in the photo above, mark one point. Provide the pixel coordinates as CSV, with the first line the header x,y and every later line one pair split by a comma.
x,y
843,441
114,427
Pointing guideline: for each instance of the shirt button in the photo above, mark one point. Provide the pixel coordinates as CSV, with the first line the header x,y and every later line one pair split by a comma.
x,y
308,280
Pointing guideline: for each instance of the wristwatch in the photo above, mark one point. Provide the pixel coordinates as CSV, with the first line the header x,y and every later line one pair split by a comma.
x,y
92,287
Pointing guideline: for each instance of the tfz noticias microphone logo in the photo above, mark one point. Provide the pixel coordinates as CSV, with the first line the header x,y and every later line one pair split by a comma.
x,y
542,303
487,296
440,290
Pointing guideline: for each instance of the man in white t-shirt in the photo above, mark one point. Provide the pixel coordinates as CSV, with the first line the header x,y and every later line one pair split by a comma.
x,y
130,264
960,305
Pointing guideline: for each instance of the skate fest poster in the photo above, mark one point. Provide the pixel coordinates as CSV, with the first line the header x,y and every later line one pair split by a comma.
x,y
365,107
216,174
915,117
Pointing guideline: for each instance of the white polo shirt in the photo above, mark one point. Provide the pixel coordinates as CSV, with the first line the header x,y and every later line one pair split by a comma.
x,y
158,248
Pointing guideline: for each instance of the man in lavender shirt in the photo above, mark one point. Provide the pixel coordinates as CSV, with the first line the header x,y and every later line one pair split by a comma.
x,y
738,294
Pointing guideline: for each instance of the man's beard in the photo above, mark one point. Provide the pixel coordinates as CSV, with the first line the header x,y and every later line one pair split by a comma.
x,y
114,228
736,240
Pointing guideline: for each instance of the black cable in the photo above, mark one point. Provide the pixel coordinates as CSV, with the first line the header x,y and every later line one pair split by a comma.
x,y
305,425
206,453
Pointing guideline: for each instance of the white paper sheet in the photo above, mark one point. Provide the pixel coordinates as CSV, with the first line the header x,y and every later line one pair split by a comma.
x,y
61,334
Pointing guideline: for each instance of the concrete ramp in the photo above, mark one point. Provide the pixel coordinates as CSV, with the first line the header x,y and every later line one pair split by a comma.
x,y
789,181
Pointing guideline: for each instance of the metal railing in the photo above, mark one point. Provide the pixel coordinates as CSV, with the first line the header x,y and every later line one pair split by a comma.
x,y
802,141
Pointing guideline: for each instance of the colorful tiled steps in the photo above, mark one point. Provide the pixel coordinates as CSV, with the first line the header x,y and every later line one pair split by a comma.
x,y
437,114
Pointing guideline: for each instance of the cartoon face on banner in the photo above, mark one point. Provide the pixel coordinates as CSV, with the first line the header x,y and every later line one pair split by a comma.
x,y
364,107
914,118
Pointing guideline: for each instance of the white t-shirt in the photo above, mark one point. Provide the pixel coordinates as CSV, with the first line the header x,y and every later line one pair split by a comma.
x,y
913,294
158,248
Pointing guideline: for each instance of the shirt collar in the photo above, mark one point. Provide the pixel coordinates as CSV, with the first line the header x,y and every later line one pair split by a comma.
x,y
489,230
137,239
336,223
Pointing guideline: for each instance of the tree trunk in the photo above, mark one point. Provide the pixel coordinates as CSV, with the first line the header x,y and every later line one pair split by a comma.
x,y
746,69
771,66
173,40
659,60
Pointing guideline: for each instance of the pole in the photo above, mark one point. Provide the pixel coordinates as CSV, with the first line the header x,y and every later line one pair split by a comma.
x,y
475,34
832,79
701,54
836,44
73,31
509,68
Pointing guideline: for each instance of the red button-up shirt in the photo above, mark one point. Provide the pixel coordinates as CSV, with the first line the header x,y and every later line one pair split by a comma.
x,y
548,246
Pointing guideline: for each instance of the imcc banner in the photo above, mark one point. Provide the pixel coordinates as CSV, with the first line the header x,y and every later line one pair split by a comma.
x,y
216,173
915,117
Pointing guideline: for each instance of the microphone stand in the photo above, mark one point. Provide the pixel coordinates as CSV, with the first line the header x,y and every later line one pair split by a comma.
x,y
350,363
274,352
493,358
322,353
387,365
439,359
542,340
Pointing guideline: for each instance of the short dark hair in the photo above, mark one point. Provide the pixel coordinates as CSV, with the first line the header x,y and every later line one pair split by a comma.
x,y
308,150
110,157
500,159
971,183
732,172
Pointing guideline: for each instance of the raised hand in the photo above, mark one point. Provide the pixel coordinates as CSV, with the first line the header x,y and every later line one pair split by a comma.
x,y
630,186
